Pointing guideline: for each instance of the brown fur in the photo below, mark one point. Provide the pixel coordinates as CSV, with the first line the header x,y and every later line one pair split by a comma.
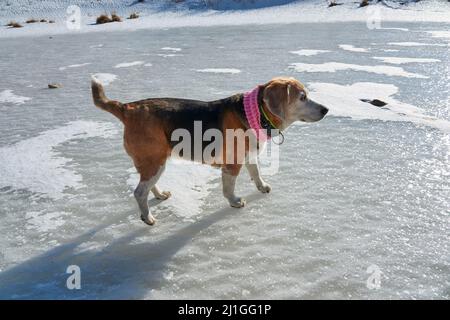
x,y
147,144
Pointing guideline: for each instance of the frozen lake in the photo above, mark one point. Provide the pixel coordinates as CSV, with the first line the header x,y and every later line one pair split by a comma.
x,y
364,188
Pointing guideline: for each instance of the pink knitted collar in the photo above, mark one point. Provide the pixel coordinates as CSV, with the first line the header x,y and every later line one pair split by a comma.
x,y
251,109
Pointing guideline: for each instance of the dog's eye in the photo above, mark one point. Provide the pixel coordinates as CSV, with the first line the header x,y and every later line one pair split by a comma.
x,y
302,96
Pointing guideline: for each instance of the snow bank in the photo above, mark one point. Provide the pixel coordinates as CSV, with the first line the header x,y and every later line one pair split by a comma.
x,y
167,14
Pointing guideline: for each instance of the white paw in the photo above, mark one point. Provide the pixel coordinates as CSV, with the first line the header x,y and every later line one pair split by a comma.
x,y
265,188
163,195
237,202
148,220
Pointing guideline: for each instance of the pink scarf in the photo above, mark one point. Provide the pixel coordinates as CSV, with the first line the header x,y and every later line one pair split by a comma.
x,y
252,113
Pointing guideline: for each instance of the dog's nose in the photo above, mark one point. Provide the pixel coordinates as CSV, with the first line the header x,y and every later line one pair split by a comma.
x,y
324,111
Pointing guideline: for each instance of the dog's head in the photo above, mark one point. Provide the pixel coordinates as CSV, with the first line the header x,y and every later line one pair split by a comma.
x,y
287,99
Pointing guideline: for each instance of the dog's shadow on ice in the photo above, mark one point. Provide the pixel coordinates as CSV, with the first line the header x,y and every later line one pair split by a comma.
x,y
122,270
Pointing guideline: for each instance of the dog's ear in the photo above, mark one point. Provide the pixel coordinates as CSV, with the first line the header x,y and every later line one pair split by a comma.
x,y
277,95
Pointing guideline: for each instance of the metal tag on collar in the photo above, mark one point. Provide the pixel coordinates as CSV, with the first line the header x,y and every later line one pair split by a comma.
x,y
281,140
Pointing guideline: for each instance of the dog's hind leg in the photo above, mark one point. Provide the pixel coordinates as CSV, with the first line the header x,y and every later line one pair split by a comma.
x,y
160,195
229,176
147,182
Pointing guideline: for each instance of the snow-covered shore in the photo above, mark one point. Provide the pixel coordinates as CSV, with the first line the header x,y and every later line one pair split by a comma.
x,y
166,14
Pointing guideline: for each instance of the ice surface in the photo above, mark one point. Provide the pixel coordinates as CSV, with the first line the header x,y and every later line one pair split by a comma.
x,y
219,70
44,221
365,186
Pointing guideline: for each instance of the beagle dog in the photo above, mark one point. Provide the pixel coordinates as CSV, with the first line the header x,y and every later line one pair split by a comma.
x,y
150,125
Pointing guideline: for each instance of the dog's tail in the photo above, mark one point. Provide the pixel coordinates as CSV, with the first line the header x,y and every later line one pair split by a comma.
x,y
100,100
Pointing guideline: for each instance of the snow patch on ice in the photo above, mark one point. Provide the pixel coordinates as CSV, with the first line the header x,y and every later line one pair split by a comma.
x,y
308,52
148,65
399,60
337,66
168,55
344,101
74,66
189,183
349,47
390,50
7,96
440,33
415,44
219,70
34,165
398,29
171,49
129,64
105,78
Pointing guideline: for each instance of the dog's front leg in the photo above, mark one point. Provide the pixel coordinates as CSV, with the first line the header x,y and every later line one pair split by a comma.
x,y
253,170
229,176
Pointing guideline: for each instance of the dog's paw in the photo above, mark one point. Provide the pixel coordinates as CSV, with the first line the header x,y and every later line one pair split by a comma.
x,y
148,220
163,195
238,202
265,188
